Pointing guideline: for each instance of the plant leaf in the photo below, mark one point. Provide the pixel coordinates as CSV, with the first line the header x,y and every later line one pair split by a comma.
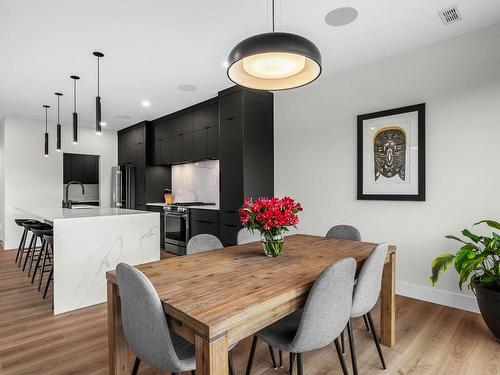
x,y
455,238
439,265
471,235
463,255
491,223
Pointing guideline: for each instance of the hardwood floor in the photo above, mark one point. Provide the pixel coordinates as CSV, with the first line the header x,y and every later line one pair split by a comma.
x,y
431,339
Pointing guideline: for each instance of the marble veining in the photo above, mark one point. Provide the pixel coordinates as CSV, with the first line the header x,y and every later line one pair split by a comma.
x,y
196,182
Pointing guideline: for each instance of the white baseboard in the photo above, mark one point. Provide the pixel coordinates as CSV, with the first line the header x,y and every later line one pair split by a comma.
x,y
439,296
11,245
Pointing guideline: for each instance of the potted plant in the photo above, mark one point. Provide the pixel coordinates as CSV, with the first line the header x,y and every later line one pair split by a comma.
x,y
271,217
478,264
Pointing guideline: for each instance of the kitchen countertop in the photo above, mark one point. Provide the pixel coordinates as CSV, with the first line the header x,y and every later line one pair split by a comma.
x,y
52,213
212,207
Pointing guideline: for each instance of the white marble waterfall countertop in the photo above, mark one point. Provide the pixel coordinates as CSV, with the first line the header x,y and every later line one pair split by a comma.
x,y
52,213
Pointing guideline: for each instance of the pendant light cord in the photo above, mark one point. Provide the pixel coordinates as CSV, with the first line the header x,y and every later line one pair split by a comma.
x,y
273,14
58,121
46,119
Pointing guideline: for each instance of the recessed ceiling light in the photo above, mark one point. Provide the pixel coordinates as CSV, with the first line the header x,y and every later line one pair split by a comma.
x,y
187,87
341,16
103,123
146,103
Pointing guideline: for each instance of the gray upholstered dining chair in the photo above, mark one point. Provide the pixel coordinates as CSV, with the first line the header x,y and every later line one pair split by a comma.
x,y
245,236
206,242
203,242
145,325
320,322
365,297
344,232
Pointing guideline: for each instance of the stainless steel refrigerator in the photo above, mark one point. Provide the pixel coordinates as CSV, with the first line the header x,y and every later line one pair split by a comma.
x,y
123,186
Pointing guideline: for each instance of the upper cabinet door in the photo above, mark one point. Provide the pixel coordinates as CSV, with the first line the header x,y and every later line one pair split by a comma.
x,y
187,147
213,142
175,149
206,117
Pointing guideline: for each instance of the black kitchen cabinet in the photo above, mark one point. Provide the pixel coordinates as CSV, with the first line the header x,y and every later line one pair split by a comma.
x,y
203,221
187,135
246,153
81,167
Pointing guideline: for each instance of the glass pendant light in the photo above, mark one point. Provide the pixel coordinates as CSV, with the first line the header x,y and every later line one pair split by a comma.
x,y
98,121
274,61
58,139
46,148
75,114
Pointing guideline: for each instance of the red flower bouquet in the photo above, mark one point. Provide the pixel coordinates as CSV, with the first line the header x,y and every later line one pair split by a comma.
x,y
271,217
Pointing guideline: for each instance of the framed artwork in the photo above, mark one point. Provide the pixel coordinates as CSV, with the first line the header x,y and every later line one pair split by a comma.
x,y
391,154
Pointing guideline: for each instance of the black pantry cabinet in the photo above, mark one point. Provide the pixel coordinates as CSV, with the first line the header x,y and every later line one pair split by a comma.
x,y
81,167
246,153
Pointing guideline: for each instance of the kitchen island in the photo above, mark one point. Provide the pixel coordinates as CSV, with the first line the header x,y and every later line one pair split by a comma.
x,y
88,242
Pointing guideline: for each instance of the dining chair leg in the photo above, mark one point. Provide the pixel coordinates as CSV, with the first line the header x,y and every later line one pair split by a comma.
x,y
342,341
137,363
230,363
292,359
250,359
271,351
300,365
341,357
377,340
366,323
281,358
193,372
352,347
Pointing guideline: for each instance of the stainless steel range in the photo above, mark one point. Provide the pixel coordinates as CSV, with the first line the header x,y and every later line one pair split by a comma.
x,y
177,225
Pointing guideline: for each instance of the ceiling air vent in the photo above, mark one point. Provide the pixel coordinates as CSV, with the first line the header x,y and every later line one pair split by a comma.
x,y
450,15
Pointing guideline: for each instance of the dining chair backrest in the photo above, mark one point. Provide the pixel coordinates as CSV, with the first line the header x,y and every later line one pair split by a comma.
x,y
344,232
328,307
369,281
143,319
245,236
203,242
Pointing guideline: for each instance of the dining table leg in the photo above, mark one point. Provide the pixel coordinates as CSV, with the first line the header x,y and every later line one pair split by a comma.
x,y
211,356
388,303
118,350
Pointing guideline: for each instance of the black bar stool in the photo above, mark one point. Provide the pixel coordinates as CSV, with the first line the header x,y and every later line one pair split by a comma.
x,y
32,249
42,254
22,245
50,245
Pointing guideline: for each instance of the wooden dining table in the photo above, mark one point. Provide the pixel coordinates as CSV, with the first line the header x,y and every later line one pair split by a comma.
x,y
216,298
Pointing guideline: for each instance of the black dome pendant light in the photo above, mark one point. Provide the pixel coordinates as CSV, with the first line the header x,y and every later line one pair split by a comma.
x,y
274,61
98,122
75,114
58,140
46,148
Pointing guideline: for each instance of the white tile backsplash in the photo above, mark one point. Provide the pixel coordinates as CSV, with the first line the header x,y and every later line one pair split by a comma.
x,y
75,192
196,182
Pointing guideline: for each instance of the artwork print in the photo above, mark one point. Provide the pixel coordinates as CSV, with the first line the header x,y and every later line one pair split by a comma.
x,y
391,154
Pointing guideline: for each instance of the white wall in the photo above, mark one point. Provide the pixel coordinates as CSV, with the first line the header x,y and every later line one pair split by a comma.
x,y
34,180
315,152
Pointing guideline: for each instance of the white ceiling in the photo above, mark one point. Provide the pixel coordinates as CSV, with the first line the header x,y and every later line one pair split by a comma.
x,y
152,46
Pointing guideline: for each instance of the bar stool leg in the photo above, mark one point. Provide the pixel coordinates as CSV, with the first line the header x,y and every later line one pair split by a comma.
x,y
38,259
20,249
51,273
32,245
42,268
33,254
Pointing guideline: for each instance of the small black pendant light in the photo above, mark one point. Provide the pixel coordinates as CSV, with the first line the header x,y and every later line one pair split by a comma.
x,y
46,150
98,122
75,114
58,140
274,61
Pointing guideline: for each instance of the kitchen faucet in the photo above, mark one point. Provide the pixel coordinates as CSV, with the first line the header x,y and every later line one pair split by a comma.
x,y
66,202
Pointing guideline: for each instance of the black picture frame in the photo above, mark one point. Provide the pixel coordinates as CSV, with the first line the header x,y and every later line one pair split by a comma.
x,y
420,196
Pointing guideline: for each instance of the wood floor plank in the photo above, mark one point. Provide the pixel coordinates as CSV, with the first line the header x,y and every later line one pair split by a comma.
x,y
432,339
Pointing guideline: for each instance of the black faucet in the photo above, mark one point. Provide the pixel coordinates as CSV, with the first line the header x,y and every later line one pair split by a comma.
x,y
66,202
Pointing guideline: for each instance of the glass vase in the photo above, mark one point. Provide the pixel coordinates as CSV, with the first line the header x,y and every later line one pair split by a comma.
x,y
272,244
